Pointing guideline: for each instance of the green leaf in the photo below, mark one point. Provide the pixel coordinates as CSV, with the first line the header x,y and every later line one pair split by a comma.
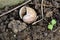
x,y
53,22
50,27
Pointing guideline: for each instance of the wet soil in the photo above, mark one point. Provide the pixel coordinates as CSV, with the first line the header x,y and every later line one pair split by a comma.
x,y
13,28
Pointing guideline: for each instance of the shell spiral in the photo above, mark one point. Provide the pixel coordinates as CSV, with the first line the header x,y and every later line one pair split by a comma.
x,y
30,15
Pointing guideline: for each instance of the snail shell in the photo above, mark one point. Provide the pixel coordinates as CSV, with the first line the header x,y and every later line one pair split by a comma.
x,y
28,14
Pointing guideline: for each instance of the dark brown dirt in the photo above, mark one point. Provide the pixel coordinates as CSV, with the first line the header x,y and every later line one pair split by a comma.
x,y
38,31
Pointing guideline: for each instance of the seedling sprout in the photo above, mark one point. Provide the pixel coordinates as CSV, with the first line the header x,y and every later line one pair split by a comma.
x,y
51,24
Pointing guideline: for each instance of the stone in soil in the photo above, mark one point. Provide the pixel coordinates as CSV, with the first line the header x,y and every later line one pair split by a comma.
x,y
16,26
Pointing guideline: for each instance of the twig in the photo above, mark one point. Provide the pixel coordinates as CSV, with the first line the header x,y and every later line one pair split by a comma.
x,y
42,8
37,21
56,29
42,13
14,8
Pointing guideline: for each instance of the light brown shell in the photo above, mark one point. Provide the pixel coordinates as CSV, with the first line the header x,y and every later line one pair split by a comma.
x,y
30,15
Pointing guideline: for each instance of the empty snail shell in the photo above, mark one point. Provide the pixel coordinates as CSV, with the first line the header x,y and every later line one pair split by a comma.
x,y
28,14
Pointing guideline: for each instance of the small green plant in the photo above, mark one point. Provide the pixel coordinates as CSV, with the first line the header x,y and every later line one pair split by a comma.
x,y
51,24
50,27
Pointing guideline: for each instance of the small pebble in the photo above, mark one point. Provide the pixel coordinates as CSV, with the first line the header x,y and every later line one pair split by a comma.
x,y
16,26
45,34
